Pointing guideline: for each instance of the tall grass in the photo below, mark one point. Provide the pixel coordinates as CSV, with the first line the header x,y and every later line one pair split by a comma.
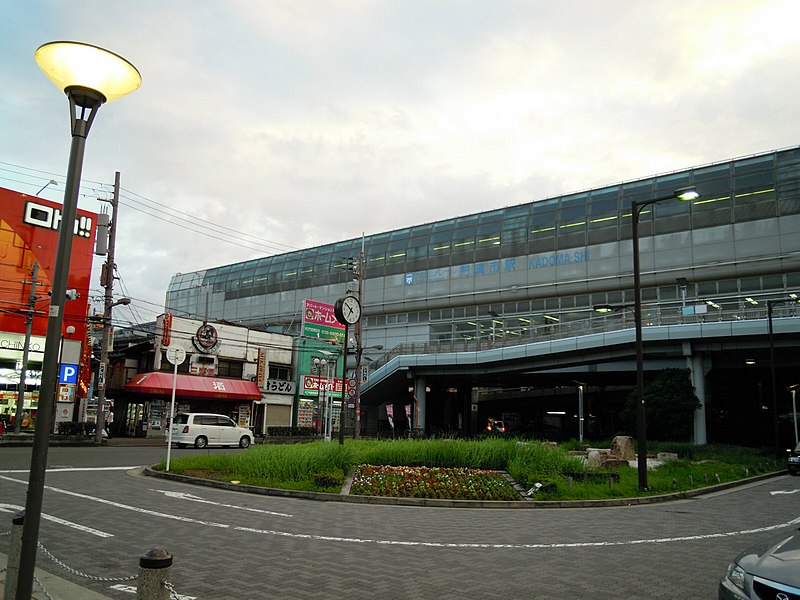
x,y
321,466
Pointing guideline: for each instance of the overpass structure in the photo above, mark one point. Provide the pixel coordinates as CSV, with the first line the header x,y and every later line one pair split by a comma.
x,y
460,388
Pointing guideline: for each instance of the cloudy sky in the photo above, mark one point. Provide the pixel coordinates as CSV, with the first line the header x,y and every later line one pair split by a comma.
x,y
262,127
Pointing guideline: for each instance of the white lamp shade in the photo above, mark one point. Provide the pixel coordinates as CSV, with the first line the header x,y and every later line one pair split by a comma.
x,y
70,64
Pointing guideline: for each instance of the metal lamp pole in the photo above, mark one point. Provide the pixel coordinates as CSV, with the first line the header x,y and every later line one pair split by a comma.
x,y
89,76
641,415
776,429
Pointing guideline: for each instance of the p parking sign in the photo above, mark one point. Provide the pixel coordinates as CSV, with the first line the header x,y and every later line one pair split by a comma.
x,y
68,374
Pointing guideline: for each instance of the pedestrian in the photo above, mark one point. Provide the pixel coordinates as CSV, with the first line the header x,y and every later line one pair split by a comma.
x,y
110,421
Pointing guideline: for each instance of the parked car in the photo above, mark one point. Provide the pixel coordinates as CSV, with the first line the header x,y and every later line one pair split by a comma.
x,y
494,426
769,570
206,429
793,460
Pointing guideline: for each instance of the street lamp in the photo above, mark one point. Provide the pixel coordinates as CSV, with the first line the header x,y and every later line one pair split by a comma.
x,y
793,390
325,398
776,430
685,194
89,76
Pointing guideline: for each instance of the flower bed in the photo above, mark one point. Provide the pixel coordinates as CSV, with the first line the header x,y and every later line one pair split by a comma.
x,y
431,482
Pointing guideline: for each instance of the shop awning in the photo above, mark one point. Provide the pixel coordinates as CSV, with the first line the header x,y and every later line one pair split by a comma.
x,y
191,386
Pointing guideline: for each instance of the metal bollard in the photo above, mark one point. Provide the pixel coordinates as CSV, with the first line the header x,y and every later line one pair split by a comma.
x,y
14,550
155,568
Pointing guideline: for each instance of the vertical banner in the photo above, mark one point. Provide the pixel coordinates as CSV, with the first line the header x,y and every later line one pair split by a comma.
x,y
262,369
390,415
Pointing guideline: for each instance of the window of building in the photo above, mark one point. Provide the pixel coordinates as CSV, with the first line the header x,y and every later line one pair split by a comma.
x,y
279,372
230,368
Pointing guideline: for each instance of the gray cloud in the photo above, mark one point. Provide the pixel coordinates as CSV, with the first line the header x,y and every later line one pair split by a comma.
x,y
279,120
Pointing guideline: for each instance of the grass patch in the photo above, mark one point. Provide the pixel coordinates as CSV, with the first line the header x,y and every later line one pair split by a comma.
x,y
321,466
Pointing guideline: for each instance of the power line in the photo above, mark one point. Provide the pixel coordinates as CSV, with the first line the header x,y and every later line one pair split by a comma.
x,y
174,212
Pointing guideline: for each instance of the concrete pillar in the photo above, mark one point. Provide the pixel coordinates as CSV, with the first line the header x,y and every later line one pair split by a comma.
x,y
695,364
420,395
14,551
155,568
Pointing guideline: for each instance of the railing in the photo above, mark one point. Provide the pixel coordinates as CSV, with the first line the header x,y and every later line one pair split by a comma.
x,y
652,315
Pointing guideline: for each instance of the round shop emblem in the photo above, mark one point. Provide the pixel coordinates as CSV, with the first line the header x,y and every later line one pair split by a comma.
x,y
206,339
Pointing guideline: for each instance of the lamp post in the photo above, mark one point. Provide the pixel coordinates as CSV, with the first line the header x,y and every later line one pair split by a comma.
x,y
684,194
776,431
325,398
793,390
89,76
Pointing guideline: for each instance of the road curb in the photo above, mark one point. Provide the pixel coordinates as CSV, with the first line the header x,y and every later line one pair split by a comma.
x,y
438,503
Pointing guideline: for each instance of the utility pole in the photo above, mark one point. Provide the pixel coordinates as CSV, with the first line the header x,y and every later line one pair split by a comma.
x,y
107,281
23,375
359,273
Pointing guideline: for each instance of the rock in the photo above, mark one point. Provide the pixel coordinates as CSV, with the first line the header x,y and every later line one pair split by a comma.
x,y
597,457
613,461
622,447
666,456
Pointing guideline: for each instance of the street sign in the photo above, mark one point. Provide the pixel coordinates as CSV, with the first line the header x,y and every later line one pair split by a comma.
x,y
101,375
176,355
68,373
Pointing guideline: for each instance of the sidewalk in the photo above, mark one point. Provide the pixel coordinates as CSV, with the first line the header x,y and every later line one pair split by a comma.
x,y
57,588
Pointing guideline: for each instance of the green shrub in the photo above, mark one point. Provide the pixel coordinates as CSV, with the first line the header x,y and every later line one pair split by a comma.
x,y
330,478
75,428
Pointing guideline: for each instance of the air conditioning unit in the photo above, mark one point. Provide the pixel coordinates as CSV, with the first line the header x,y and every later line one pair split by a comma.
x,y
204,365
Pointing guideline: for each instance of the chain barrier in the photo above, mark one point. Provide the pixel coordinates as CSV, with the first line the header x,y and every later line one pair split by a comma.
x,y
169,586
41,587
69,569
173,595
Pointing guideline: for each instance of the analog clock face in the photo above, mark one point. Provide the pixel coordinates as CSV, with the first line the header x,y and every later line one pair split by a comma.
x,y
350,309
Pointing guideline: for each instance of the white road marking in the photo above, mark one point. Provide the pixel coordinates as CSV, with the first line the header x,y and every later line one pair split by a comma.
x,y
317,537
193,498
127,506
13,508
784,492
131,589
70,469
326,538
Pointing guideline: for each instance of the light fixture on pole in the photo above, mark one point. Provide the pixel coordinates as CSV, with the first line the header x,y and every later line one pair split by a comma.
x,y
89,76
685,194
793,391
776,430
51,182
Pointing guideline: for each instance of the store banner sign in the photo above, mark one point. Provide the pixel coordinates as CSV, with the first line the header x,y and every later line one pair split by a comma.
x,y
313,385
390,415
262,369
319,321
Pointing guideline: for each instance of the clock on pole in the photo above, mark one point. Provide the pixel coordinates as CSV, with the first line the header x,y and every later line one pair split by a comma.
x,y
347,310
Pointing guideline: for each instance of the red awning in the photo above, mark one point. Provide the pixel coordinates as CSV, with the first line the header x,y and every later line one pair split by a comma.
x,y
191,386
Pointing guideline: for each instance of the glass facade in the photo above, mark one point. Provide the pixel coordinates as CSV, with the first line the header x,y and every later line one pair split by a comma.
x,y
537,269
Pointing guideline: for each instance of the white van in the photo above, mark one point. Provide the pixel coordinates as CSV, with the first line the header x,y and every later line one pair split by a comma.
x,y
206,429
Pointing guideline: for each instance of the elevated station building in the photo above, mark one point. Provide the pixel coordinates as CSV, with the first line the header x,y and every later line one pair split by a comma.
x,y
490,315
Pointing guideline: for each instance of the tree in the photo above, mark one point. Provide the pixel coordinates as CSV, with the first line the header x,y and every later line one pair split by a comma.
x,y
670,403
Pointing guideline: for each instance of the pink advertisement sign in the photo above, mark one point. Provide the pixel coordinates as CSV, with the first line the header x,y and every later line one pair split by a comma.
x,y
319,321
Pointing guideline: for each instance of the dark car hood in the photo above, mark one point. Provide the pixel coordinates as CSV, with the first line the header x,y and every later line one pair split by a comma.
x,y
776,559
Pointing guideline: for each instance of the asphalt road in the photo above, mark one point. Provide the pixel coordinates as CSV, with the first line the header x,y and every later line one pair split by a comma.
x,y
235,545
